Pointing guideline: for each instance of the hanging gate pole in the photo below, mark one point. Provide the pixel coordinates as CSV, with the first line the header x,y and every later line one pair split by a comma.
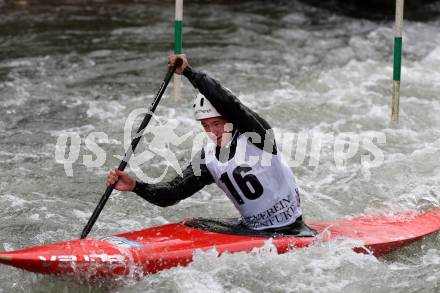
x,y
397,61
178,22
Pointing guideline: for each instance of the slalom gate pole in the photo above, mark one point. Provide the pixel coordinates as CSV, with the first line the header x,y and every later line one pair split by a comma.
x,y
397,61
178,23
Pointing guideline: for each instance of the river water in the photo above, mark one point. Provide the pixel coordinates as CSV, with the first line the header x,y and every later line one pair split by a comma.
x,y
83,67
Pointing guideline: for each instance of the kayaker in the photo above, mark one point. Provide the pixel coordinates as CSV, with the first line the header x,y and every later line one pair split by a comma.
x,y
264,191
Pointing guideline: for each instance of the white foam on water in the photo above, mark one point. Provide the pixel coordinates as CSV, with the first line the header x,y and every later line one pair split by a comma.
x,y
81,215
15,201
81,130
314,269
100,53
8,247
105,110
34,217
143,31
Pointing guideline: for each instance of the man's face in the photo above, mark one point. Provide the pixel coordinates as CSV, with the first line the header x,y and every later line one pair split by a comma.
x,y
218,129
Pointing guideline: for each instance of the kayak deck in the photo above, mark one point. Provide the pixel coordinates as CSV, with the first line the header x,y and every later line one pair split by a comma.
x,y
154,249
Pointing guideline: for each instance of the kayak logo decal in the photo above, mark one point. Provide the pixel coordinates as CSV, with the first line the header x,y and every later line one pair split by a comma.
x,y
121,242
91,258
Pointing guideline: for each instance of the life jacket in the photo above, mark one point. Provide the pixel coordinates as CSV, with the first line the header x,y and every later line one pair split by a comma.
x,y
260,184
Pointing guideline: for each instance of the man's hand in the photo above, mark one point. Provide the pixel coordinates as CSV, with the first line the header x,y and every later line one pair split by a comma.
x,y
125,182
172,61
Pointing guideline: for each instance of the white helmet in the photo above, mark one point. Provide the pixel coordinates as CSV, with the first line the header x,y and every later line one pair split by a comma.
x,y
203,108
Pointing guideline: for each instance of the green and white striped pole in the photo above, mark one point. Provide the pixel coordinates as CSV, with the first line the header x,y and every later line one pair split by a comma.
x,y
178,22
397,61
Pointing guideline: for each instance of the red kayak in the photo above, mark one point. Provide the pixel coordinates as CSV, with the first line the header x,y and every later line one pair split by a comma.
x,y
154,249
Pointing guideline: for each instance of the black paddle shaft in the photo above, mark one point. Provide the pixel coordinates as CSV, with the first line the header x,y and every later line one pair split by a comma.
x,y
130,151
